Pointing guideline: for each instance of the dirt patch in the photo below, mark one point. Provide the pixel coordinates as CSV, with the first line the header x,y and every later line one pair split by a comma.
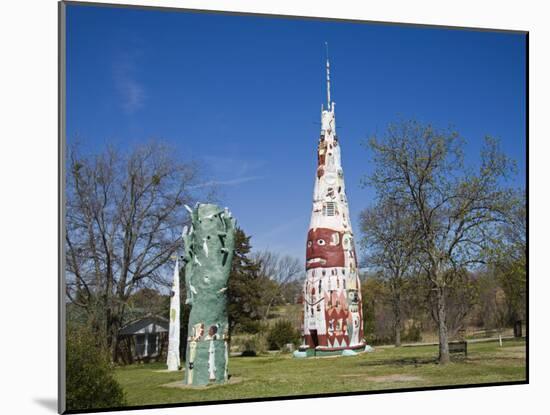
x,y
180,385
387,378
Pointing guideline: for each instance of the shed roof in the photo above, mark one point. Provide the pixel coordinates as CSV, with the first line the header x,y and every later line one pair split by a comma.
x,y
148,324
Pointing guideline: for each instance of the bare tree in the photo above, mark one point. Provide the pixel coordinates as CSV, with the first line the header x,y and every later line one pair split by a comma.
x,y
279,271
461,294
124,215
509,259
456,208
389,240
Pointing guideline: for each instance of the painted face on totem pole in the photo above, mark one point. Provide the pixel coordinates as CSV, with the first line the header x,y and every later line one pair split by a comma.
x,y
212,330
324,248
353,297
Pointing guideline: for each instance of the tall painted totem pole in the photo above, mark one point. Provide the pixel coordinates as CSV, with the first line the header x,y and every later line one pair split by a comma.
x,y
209,246
173,359
332,292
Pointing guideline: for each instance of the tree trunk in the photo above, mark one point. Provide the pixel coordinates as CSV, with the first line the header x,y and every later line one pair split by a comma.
x,y
395,286
397,326
269,305
397,334
114,344
443,337
113,329
266,316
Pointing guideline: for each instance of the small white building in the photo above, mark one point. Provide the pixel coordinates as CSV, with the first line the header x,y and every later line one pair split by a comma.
x,y
144,340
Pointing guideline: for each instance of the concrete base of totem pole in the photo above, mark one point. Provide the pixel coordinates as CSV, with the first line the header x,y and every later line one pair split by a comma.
x,y
305,351
180,385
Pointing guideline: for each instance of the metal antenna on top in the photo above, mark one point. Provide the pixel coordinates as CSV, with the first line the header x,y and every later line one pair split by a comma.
x,y
328,79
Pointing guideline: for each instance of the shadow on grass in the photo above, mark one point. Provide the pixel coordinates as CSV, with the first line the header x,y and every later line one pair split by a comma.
x,y
419,361
416,361
407,361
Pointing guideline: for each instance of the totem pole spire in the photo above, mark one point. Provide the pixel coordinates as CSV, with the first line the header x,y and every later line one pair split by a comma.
x,y
328,80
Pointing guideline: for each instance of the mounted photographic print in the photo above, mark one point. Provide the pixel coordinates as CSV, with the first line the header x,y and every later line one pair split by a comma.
x,y
260,207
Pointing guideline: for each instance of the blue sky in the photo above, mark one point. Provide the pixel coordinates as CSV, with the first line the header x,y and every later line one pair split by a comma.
x,y
242,95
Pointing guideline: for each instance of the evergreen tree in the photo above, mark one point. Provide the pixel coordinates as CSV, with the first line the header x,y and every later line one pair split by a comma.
x,y
245,287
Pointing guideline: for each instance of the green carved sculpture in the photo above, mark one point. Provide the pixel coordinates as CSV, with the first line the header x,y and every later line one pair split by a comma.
x,y
209,245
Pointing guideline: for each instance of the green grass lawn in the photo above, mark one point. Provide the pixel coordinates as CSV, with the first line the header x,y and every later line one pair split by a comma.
x,y
282,375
